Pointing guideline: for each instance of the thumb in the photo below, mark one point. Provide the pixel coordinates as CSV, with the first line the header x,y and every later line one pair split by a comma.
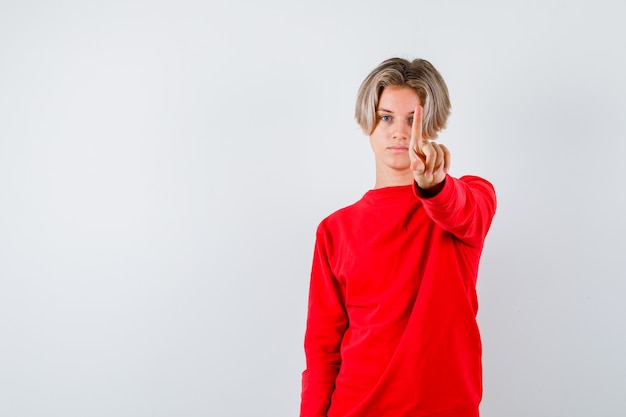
x,y
417,164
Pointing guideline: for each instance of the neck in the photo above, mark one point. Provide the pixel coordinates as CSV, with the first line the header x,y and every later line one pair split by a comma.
x,y
392,178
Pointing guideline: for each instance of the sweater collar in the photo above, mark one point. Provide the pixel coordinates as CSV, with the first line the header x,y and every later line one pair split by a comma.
x,y
390,195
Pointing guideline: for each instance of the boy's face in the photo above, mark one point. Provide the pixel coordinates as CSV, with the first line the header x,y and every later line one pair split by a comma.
x,y
392,133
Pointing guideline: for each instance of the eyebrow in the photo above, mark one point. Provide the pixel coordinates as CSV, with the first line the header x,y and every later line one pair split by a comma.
x,y
389,111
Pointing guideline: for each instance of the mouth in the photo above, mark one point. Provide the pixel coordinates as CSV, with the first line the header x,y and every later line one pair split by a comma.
x,y
398,149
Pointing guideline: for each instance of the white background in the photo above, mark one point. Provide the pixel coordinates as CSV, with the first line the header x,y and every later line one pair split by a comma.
x,y
164,165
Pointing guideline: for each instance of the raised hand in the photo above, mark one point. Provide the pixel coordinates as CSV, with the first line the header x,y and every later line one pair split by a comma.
x,y
429,161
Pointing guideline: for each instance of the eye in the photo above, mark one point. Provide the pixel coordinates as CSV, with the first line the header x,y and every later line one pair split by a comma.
x,y
411,120
385,118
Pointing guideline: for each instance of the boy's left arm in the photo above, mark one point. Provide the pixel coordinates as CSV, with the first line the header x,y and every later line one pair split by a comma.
x,y
462,206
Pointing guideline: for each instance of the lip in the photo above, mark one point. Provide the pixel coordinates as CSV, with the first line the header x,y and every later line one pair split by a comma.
x,y
398,149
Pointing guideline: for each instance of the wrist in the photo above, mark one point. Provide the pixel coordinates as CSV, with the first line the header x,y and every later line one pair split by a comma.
x,y
430,191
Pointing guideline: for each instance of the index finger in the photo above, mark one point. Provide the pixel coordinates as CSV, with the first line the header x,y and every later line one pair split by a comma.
x,y
416,129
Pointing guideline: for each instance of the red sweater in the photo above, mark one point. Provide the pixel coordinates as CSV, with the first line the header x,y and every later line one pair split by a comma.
x,y
391,327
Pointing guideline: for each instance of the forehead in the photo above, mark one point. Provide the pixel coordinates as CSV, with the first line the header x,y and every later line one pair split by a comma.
x,y
398,99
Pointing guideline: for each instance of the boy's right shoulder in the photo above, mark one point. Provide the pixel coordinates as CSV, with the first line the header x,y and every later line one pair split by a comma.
x,y
342,216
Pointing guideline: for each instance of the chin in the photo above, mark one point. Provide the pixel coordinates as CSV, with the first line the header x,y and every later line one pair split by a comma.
x,y
400,166
400,169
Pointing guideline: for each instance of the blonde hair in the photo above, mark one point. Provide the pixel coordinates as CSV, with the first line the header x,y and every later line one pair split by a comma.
x,y
421,76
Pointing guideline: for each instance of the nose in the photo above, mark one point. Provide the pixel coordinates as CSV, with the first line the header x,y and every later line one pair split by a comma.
x,y
401,131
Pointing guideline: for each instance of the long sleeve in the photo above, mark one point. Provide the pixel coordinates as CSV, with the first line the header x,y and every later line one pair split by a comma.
x,y
326,324
464,207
